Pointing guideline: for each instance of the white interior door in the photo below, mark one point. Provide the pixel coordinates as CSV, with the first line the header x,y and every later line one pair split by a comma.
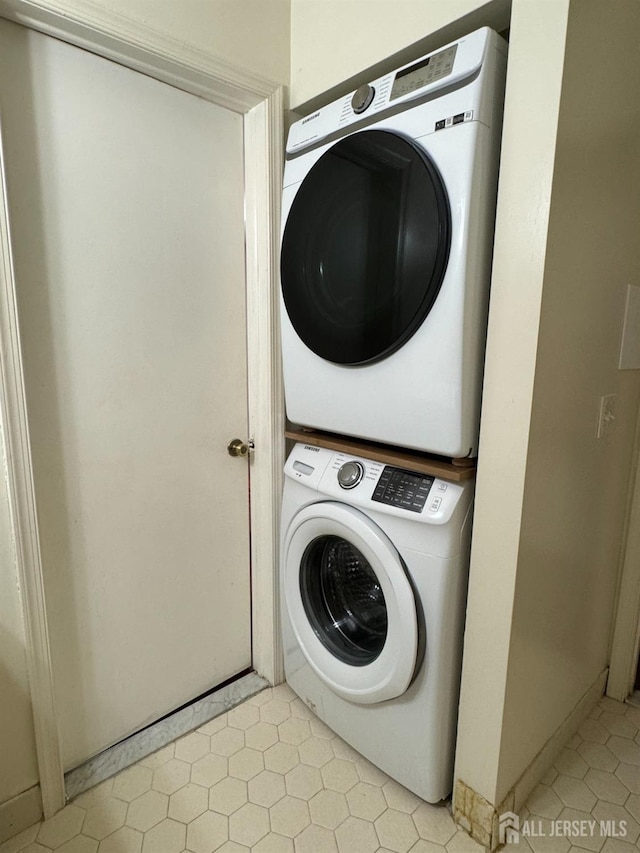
x,y
126,210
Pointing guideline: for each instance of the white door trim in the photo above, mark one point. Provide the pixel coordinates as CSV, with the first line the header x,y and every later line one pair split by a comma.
x,y
135,46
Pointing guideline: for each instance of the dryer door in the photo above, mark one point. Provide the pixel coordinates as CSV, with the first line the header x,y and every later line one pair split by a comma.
x,y
350,603
365,247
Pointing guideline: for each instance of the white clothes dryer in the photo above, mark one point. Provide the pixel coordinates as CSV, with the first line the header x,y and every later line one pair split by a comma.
x,y
387,233
374,568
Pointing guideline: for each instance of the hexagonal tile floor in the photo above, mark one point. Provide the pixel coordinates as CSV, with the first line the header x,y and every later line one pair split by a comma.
x,y
271,778
596,777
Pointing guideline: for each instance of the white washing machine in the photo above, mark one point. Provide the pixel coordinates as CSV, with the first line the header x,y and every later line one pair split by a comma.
x,y
373,588
387,233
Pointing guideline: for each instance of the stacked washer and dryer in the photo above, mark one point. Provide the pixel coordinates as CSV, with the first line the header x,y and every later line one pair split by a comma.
x,y
388,213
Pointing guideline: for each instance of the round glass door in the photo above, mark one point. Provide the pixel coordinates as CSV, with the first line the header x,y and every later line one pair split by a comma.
x,y
365,247
343,600
350,603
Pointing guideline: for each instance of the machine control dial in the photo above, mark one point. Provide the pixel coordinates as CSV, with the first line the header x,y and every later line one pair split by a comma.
x,y
362,98
350,474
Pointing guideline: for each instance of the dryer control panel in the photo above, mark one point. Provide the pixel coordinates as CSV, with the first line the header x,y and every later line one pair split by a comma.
x,y
452,66
373,485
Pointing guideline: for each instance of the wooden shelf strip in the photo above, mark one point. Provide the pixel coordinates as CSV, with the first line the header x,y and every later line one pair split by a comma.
x,y
420,462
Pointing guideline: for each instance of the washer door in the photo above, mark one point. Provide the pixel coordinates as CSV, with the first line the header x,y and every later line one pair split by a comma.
x,y
350,603
365,247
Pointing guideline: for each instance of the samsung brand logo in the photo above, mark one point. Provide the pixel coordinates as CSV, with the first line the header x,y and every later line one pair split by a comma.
x,y
315,449
310,118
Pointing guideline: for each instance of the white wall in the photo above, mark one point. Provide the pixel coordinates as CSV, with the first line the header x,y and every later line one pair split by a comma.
x,y
252,34
551,498
576,486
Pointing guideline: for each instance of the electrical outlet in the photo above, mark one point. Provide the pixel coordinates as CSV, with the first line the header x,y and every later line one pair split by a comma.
x,y
606,415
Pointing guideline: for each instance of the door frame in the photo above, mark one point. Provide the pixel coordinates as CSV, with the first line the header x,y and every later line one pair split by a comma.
x,y
260,102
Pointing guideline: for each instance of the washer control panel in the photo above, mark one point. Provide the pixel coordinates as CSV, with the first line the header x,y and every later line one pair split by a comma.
x,y
403,488
369,484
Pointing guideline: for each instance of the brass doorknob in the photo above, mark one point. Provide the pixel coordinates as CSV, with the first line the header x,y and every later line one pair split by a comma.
x,y
237,447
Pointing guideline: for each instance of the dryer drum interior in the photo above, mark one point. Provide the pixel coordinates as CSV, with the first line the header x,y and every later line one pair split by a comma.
x,y
365,247
343,600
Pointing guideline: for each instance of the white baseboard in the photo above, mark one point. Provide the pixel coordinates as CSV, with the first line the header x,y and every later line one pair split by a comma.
x,y
20,812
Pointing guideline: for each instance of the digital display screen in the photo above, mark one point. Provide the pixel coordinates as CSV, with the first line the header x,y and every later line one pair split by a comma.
x,y
424,72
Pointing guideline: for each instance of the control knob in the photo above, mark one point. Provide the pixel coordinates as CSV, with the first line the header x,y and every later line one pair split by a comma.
x,y
362,97
350,474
